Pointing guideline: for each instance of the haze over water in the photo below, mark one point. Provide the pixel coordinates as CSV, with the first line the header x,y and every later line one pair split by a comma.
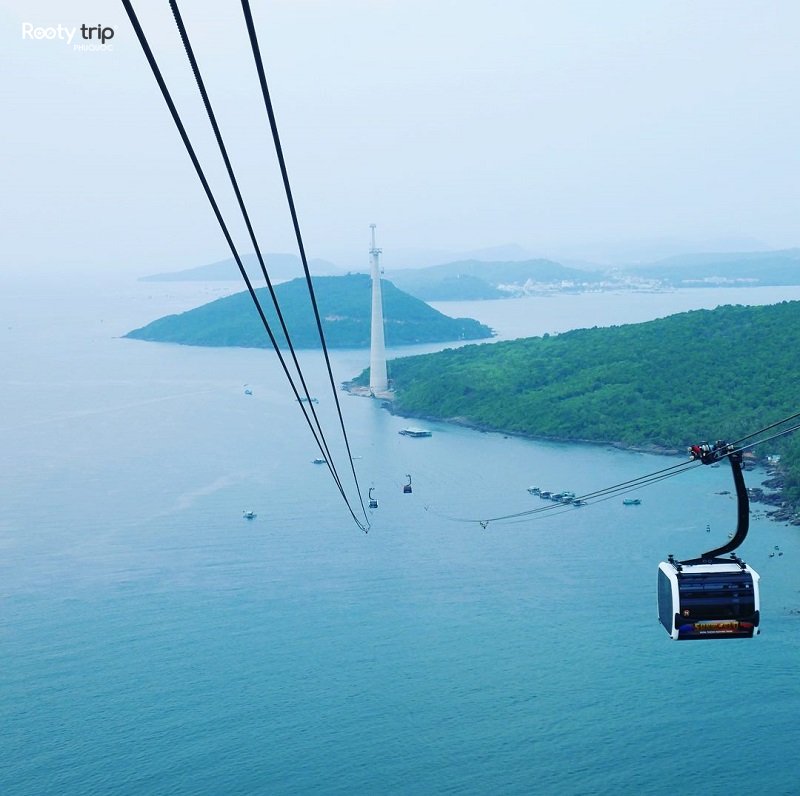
x,y
154,641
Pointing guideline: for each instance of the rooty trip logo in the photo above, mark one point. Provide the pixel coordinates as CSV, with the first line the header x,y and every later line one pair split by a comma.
x,y
95,34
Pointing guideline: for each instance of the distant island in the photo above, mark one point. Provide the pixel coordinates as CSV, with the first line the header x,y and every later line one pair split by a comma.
x,y
469,280
279,267
478,279
344,303
732,269
660,385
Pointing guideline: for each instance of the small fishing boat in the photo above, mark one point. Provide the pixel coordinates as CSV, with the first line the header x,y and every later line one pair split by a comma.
x,y
631,502
534,490
545,495
318,461
249,515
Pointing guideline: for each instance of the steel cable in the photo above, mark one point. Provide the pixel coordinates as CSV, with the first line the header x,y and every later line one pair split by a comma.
x,y
223,226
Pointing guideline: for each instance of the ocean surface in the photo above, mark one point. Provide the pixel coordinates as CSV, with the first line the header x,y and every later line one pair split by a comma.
x,y
153,641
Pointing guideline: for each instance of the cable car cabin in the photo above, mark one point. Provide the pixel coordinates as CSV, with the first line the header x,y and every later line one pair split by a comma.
x,y
704,600
712,597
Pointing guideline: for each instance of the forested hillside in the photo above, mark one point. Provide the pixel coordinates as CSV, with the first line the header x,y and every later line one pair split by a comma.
x,y
692,377
344,304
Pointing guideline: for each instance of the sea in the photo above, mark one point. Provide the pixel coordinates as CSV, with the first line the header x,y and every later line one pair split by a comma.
x,y
154,641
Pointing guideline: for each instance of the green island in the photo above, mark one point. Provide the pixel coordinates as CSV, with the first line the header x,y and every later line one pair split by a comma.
x,y
660,386
345,308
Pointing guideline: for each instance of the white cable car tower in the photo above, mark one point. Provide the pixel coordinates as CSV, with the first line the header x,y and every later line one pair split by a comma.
x,y
378,380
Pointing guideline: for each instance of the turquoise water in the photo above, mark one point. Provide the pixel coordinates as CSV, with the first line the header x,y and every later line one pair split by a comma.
x,y
153,641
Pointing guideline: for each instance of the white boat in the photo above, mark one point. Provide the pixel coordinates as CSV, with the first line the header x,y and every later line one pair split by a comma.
x,y
415,432
249,515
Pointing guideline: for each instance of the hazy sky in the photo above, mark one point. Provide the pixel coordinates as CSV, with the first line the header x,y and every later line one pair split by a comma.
x,y
565,127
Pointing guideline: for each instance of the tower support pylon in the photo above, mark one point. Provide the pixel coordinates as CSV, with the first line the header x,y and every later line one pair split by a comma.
x,y
378,379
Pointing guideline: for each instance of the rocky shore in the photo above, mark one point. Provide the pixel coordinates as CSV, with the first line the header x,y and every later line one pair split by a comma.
x,y
783,511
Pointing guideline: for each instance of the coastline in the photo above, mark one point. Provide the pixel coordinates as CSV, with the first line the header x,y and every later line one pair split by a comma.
x,y
784,512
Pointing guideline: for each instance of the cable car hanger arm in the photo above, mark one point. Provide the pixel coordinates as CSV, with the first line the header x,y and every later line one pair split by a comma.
x,y
710,454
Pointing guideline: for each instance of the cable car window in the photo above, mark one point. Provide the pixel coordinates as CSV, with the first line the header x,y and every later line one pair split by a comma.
x,y
664,600
716,596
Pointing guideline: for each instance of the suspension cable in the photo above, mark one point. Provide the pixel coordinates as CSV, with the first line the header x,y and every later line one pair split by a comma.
x,y
290,200
567,507
220,220
767,428
623,487
783,433
590,498
246,216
